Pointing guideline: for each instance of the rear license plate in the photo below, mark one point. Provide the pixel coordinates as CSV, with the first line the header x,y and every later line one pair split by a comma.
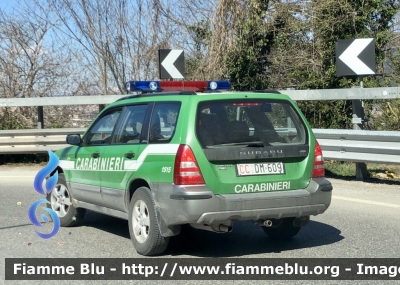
x,y
260,168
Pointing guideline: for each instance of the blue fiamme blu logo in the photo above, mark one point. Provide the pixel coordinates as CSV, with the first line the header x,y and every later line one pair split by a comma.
x,y
50,183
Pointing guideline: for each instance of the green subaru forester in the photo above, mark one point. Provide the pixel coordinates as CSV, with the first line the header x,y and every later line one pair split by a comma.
x,y
165,159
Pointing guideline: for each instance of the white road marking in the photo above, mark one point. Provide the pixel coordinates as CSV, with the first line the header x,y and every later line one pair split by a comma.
x,y
366,201
21,176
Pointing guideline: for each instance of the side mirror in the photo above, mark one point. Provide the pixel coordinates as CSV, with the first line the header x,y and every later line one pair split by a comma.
x,y
74,139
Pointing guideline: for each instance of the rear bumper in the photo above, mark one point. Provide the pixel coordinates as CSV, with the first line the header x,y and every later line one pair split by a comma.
x,y
198,204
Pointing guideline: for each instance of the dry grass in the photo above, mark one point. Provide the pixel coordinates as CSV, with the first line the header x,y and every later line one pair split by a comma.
x,y
348,169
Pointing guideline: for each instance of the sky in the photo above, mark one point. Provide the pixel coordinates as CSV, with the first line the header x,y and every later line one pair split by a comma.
x,y
7,4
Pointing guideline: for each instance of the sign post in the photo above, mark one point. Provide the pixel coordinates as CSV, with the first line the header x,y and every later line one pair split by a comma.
x,y
356,57
40,123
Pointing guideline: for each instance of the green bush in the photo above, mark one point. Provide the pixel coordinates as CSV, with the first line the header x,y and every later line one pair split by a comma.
x,y
23,158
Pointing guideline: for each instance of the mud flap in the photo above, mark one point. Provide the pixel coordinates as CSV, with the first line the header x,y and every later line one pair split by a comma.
x,y
301,221
167,231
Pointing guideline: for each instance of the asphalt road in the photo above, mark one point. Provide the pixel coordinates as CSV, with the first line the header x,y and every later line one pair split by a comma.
x,y
363,221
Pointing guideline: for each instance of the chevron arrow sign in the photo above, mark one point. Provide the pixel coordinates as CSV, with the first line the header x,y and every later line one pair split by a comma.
x,y
172,63
355,57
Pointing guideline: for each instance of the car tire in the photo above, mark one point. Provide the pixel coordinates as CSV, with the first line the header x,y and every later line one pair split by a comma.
x,y
61,202
281,229
143,226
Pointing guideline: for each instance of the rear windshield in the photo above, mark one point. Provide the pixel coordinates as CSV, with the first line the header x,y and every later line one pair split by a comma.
x,y
255,122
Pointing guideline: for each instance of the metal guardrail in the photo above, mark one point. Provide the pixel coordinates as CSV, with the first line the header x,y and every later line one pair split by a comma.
x,y
359,145
341,145
34,140
297,95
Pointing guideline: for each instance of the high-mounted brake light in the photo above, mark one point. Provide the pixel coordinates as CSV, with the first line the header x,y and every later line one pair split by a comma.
x,y
157,86
186,169
319,167
246,104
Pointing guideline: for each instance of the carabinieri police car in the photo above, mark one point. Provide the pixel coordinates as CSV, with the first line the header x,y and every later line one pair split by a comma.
x,y
202,155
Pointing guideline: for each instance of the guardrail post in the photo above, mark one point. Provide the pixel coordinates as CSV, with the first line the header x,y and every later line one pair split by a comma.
x,y
358,118
101,107
40,124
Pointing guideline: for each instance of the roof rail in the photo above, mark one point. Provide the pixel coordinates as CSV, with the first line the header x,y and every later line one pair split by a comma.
x,y
152,93
267,91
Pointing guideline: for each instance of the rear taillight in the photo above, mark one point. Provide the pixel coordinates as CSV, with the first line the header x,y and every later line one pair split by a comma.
x,y
186,170
319,167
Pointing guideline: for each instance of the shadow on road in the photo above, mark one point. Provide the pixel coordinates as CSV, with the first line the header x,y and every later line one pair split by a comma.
x,y
245,239
106,223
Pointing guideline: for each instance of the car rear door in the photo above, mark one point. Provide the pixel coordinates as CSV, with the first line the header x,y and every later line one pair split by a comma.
x,y
121,156
253,145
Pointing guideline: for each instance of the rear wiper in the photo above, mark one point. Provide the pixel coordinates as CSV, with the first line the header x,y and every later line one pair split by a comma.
x,y
247,144
256,144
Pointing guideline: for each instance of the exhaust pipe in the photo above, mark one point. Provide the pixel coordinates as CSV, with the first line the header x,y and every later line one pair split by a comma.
x,y
267,223
225,228
217,228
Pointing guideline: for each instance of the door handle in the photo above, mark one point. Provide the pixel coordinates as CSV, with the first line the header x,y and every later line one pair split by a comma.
x,y
129,155
95,155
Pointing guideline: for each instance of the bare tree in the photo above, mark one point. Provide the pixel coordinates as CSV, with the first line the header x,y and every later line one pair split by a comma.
x,y
25,65
32,64
118,40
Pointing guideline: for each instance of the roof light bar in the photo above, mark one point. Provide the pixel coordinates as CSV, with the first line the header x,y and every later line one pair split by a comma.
x,y
157,86
218,85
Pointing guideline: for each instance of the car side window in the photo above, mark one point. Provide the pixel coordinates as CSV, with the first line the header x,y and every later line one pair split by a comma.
x,y
130,128
163,121
100,133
